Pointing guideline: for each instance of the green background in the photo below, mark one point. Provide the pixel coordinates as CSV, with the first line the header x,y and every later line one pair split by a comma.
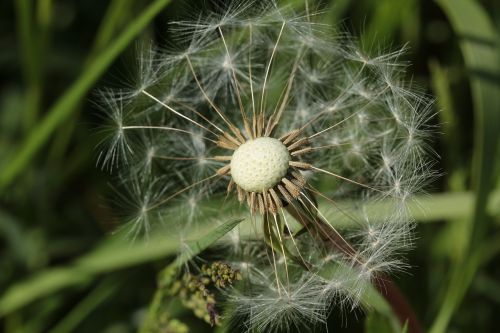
x,y
60,271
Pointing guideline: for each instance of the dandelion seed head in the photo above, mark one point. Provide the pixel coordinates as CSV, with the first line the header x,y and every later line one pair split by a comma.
x,y
259,164
260,106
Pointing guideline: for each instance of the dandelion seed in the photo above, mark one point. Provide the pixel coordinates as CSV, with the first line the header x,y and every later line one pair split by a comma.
x,y
260,107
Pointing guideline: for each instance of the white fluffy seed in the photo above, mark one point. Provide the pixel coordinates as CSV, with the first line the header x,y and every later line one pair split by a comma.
x,y
259,164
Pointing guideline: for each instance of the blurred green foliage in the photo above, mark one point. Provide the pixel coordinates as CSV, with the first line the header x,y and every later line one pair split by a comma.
x,y
60,271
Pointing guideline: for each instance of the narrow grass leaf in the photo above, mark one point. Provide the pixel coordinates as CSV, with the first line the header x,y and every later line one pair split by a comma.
x,y
116,253
479,46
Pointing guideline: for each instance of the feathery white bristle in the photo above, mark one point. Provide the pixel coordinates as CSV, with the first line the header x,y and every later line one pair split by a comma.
x,y
175,126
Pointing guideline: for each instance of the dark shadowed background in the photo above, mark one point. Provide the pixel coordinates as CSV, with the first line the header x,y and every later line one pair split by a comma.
x,y
59,274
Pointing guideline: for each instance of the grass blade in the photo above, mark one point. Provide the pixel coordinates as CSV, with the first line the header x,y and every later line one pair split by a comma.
x,y
96,297
167,275
66,104
114,254
478,43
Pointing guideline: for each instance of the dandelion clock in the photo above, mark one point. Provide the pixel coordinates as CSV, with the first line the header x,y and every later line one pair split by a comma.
x,y
261,113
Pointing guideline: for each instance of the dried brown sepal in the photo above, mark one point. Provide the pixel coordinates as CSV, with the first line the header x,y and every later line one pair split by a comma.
x,y
301,151
248,130
298,144
285,194
290,136
224,170
252,204
293,189
222,158
238,134
275,198
300,165
226,144
230,186
231,139
241,194
298,176
271,206
262,207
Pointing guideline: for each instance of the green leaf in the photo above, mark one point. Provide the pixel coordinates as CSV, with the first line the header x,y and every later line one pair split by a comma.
x,y
97,296
65,105
426,208
479,45
449,119
389,18
167,275
114,254
404,329
376,323
196,246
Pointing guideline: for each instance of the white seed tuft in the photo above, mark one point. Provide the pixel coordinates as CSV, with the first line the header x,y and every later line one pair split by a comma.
x,y
201,120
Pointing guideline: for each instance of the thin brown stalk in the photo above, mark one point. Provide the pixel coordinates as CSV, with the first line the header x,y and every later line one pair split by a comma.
x,y
385,286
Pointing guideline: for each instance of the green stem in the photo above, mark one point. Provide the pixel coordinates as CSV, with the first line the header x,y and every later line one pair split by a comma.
x,y
64,107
